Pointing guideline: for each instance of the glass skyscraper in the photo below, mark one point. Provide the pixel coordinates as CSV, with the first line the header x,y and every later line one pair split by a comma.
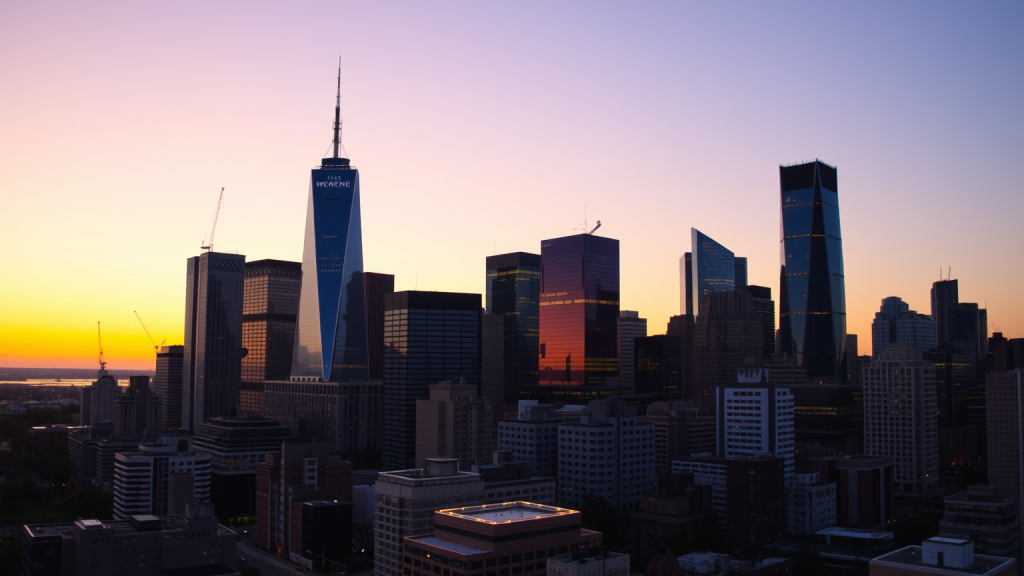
x,y
513,292
812,295
268,326
709,267
579,308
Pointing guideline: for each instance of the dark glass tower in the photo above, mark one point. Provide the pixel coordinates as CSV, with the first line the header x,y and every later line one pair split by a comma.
x,y
167,385
429,337
945,297
513,292
812,299
579,308
376,288
330,340
712,268
268,326
764,306
658,366
213,337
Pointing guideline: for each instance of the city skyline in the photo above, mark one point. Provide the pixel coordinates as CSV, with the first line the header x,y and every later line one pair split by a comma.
x,y
695,128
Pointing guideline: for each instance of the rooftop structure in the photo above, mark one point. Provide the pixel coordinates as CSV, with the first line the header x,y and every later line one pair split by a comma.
x,y
941,556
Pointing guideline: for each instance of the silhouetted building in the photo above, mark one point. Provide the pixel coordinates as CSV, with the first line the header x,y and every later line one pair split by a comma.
x,y
454,422
683,327
945,297
989,520
764,307
852,362
673,516
430,337
630,326
812,296
969,330
712,268
144,479
492,359
136,412
376,288
828,420
1005,403
1005,355
214,296
268,326
658,366
896,323
960,446
955,372
98,400
579,309
167,384
727,337
513,293
864,488
347,415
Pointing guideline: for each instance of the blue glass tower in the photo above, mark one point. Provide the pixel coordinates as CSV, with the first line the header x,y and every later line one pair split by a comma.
x,y
812,299
713,267
330,336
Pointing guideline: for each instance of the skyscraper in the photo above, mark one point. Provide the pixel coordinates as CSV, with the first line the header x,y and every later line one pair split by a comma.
x,y
1005,400
429,337
98,400
376,288
755,417
945,296
896,323
629,327
268,326
713,268
658,366
764,307
454,422
579,307
513,293
211,384
330,339
728,336
167,385
812,297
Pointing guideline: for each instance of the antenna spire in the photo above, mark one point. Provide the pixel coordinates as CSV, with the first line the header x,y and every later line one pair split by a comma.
x,y
337,114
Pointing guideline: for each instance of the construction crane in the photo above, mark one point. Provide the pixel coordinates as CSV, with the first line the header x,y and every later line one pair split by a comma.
x,y
156,347
213,228
99,340
594,229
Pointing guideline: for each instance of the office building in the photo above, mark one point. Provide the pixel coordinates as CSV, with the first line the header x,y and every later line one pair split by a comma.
x,y
955,373
896,323
146,480
1006,354
492,359
321,534
712,268
191,543
167,383
214,292
941,557
522,537
989,520
630,326
852,364
678,512
1004,405
98,400
828,420
864,489
609,453
945,297
506,480
960,446
579,310
657,366
347,415
268,327
406,501
812,297
740,267
900,418
764,307
669,434
755,417
728,336
430,337
810,503
376,288
136,412
747,492
533,437
298,471
454,422
513,294
91,453
969,330
592,560
683,327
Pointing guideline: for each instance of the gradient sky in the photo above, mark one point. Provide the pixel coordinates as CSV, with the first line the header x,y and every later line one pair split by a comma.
x,y
483,127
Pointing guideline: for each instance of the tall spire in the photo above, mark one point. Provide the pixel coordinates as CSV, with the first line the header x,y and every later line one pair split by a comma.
x,y
337,114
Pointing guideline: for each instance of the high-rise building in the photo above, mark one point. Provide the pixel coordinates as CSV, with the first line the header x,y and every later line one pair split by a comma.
x,y
658,366
376,288
630,326
981,515
900,418
755,417
686,284
764,307
955,372
945,297
268,326
740,265
812,297
896,323
852,364
679,511
136,412
407,500
864,489
828,420
513,293
728,336
810,503
98,400
214,294
618,466
712,268
430,337
1006,354
330,337
144,479
1004,398
579,308
167,385
347,415
969,330
683,327
533,437
492,359
454,422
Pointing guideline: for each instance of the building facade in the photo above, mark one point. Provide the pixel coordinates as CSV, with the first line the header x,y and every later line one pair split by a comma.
x,y
728,336
167,384
713,268
454,422
896,323
136,412
810,503
513,293
376,287
268,326
812,297
828,420
981,515
1005,404
764,307
755,417
864,489
98,400
533,437
658,365
147,480
345,414
629,327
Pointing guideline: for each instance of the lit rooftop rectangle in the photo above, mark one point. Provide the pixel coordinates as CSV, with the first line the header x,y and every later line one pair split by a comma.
x,y
506,512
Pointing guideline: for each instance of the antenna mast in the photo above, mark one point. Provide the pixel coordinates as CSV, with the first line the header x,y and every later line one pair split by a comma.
x,y
337,114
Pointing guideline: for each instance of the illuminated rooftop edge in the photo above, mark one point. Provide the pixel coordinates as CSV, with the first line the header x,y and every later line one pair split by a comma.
x,y
506,512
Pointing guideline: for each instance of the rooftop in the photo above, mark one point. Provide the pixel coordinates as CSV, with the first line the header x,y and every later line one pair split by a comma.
x,y
506,512
911,556
447,545
859,533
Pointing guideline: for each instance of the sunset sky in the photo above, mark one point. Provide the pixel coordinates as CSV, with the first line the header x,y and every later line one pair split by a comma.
x,y
486,127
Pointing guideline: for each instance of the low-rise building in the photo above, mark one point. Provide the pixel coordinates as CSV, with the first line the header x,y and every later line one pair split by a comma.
x,y
160,477
864,489
506,479
672,517
593,561
981,515
810,503
941,556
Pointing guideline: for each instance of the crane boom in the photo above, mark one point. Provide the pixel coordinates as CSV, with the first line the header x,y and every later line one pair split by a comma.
x,y
155,347
595,227
213,228
99,341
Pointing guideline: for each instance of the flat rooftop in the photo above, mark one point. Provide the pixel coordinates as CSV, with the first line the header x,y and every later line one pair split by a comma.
x,y
911,556
506,512
447,545
859,533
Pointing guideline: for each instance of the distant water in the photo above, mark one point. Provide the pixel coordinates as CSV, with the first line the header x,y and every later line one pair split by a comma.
x,y
56,382
63,376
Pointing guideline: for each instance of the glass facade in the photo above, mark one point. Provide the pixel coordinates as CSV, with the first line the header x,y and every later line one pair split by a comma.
x,y
812,299
896,323
713,268
268,326
330,338
513,292
213,337
658,366
429,337
579,307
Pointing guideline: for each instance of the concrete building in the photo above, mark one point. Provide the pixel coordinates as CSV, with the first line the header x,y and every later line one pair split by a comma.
x,y
98,400
150,479
136,412
1004,402
900,418
492,359
810,503
674,515
515,536
91,453
454,422
864,489
533,437
981,515
630,326
941,557
505,480
167,384
896,323
755,417
347,415
141,545
593,561
608,453
407,500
